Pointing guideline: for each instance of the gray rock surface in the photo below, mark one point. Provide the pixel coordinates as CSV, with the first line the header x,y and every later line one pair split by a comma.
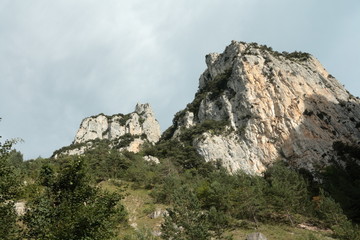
x,y
20,208
158,213
153,159
124,132
142,121
278,106
256,236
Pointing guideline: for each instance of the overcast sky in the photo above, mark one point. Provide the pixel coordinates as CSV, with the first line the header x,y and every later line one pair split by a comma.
x,y
64,60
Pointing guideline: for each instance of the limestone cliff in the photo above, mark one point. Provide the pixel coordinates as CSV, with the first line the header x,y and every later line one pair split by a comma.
x,y
124,132
275,105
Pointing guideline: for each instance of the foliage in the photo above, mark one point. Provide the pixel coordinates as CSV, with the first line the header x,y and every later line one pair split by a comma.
x,y
248,197
141,234
342,180
212,126
143,174
124,140
219,221
204,201
213,90
287,191
9,230
124,119
184,156
297,56
293,56
70,147
70,208
186,220
9,190
15,159
9,184
163,193
328,210
106,163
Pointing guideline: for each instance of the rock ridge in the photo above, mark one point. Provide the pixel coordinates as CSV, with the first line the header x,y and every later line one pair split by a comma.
x,y
122,131
278,105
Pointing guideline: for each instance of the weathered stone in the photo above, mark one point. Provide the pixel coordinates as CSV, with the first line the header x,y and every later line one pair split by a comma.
x,y
256,236
140,126
20,208
280,106
158,213
142,121
151,159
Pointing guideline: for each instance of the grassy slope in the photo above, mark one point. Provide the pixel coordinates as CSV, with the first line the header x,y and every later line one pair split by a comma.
x,y
139,204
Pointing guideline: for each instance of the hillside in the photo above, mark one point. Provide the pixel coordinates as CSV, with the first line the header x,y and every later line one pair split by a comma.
x,y
269,144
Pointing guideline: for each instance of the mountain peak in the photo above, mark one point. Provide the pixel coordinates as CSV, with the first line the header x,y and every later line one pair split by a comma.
x,y
276,105
122,131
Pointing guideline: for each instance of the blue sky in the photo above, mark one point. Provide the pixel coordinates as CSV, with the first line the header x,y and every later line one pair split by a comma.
x,y
61,61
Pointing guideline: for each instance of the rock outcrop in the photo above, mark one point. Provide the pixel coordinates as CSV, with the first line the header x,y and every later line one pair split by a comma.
x,y
123,132
274,105
256,236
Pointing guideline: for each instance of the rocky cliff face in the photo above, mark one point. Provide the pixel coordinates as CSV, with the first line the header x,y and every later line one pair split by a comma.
x,y
274,105
124,132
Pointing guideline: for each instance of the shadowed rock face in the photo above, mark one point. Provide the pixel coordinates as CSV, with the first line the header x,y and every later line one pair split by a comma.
x,y
124,132
278,105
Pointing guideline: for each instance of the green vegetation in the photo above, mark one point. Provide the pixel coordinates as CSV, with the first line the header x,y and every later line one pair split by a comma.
x,y
70,147
186,220
124,140
70,208
118,143
213,90
100,194
211,126
124,119
9,192
295,56
182,153
342,181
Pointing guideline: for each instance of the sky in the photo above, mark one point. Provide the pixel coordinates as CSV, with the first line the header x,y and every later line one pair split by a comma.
x,y
64,60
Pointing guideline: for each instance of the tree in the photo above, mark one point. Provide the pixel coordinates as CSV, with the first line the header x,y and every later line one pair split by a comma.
x,y
332,215
70,208
342,179
287,193
9,189
219,222
248,198
186,220
15,159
